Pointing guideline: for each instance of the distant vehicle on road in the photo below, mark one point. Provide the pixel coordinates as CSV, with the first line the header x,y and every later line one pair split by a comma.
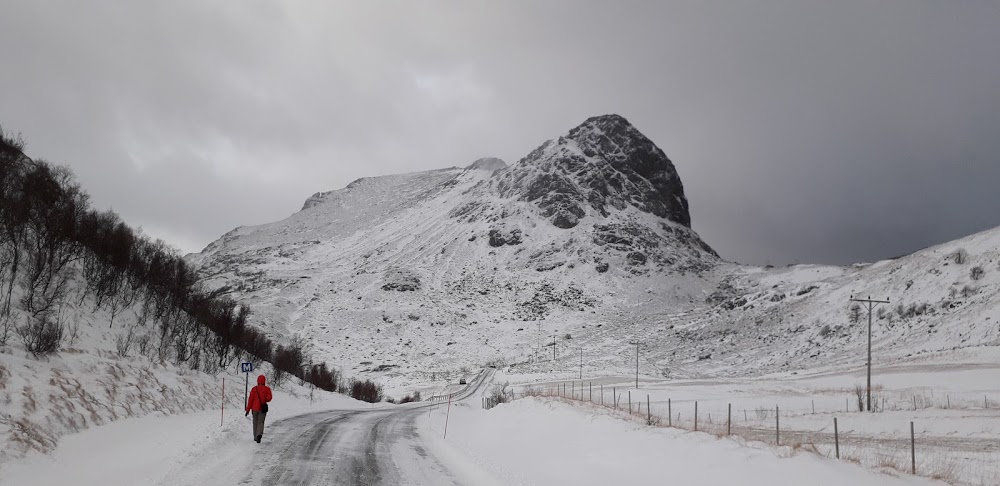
x,y
461,381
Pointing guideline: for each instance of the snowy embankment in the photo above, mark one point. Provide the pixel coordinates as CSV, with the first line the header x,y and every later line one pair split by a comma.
x,y
152,449
954,410
548,441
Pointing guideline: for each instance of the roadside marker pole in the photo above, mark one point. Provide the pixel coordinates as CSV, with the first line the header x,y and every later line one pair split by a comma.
x,y
777,426
446,417
836,437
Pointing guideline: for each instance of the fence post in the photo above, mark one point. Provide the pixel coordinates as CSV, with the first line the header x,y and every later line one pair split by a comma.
x,y
591,392
986,403
696,415
836,437
572,390
847,405
729,420
614,396
602,394
745,418
222,415
630,402
814,407
949,401
914,402
913,452
670,415
649,413
777,426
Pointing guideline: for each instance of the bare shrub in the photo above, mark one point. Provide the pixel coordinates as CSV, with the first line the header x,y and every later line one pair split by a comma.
x,y
366,391
415,397
41,335
500,393
144,344
968,291
977,273
652,420
74,332
124,342
763,413
960,257
854,314
859,392
6,324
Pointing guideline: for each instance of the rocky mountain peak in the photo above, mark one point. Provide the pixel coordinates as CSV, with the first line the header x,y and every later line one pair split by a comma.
x,y
604,163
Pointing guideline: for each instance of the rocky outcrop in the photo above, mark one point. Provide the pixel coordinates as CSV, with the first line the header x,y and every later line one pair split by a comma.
x,y
601,165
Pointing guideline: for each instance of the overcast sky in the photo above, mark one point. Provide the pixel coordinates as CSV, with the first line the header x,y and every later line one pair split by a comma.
x,y
802,131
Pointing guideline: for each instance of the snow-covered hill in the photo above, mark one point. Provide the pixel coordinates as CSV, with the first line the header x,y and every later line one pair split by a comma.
x,y
461,266
586,243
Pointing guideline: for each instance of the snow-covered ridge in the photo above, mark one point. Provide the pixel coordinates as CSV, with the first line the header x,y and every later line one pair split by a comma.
x,y
586,242
488,254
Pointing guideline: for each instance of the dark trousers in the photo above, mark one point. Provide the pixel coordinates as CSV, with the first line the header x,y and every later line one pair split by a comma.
x,y
258,423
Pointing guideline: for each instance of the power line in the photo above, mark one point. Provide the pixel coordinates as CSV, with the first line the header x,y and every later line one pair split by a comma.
x,y
870,303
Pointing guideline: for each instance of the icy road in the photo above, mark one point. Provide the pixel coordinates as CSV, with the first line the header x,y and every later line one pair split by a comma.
x,y
349,447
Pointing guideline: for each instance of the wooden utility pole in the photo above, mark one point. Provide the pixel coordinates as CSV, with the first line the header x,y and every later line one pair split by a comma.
x,y
870,304
581,366
636,343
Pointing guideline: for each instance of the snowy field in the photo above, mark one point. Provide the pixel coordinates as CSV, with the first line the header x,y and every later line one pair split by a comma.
x,y
543,441
955,410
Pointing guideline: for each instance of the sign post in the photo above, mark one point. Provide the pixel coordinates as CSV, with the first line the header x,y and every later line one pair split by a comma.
x,y
246,368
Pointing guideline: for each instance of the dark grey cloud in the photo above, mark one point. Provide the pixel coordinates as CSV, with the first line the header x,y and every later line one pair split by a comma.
x,y
803,131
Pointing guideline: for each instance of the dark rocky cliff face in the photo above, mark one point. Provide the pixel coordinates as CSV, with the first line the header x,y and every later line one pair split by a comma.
x,y
601,165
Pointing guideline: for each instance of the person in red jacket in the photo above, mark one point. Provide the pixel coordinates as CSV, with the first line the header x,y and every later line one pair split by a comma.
x,y
257,403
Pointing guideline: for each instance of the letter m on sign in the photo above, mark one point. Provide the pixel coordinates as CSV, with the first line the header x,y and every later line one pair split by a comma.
x,y
246,367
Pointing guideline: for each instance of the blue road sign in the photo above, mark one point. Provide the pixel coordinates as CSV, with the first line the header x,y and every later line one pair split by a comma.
x,y
246,367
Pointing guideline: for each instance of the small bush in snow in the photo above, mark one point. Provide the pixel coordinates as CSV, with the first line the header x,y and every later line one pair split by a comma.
x,y
825,331
500,393
854,314
960,256
568,336
41,335
968,291
977,273
124,342
6,324
366,391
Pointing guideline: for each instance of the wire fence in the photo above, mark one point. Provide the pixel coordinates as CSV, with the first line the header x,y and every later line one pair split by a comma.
x,y
923,455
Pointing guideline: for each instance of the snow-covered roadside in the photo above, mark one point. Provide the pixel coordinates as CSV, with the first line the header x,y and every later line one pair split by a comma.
x,y
543,441
149,450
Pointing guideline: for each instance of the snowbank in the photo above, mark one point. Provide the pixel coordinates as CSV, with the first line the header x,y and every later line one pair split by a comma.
x,y
537,441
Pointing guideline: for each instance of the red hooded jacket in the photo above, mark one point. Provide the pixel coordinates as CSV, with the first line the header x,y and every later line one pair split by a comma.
x,y
259,395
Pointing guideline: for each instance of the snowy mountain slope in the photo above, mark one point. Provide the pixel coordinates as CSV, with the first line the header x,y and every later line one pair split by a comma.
x,y
444,268
584,245
942,298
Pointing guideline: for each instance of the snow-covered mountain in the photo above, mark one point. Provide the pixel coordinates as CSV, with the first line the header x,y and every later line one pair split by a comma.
x,y
586,243
466,265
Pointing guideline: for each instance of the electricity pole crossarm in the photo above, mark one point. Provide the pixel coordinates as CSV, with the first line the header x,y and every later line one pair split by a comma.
x,y
870,304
